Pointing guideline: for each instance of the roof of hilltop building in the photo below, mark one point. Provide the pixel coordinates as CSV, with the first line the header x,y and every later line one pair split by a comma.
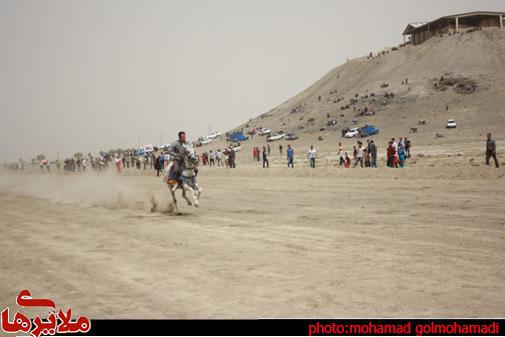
x,y
421,31
411,26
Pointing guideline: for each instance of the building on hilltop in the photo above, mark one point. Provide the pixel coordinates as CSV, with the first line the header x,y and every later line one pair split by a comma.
x,y
418,32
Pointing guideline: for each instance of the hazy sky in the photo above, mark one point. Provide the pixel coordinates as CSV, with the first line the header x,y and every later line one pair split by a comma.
x,y
80,76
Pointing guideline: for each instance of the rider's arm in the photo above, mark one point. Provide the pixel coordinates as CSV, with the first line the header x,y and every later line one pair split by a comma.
x,y
173,151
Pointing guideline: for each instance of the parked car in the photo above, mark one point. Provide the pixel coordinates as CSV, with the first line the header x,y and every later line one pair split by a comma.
x,y
354,132
264,131
213,134
451,124
290,136
274,137
206,141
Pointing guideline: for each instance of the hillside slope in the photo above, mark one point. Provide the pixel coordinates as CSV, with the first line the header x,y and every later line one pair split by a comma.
x,y
472,91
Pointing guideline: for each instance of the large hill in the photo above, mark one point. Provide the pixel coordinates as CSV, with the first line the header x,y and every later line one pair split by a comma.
x,y
460,76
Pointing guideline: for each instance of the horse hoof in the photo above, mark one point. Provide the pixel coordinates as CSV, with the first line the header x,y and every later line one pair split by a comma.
x,y
197,205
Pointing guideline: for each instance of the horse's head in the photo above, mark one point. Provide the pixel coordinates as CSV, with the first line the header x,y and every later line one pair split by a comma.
x,y
190,157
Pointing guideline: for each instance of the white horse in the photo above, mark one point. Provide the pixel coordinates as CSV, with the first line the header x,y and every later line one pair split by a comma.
x,y
187,181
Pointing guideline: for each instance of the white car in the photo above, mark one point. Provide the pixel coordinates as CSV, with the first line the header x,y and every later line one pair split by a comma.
x,y
354,132
264,131
275,136
206,141
213,135
235,148
451,124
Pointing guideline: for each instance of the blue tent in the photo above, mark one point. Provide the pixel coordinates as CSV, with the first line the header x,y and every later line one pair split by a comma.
x,y
238,137
368,131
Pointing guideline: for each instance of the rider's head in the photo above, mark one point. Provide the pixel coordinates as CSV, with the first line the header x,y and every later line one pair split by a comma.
x,y
182,136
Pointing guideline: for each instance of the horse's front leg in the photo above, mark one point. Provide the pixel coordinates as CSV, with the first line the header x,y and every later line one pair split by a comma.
x,y
192,192
185,196
198,190
174,200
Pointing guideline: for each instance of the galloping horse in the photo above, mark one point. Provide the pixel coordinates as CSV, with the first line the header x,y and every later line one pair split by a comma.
x,y
187,180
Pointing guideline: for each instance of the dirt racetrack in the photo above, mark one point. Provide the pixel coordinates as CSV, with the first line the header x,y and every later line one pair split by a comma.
x,y
417,242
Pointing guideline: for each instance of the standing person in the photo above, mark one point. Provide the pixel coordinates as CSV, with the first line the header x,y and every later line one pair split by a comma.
x,y
311,155
347,162
118,165
157,166
231,158
211,159
290,154
354,153
408,144
214,156
341,154
401,154
359,155
219,157
280,149
254,152
395,144
367,158
268,147
390,153
226,157
163,161
265,158
373,154
491,151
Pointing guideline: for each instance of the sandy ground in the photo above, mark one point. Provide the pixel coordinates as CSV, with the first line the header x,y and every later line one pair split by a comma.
x,y
424,241
419,242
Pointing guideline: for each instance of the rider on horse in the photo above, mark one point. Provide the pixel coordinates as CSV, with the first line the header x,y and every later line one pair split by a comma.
x,y
176,152
182,170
